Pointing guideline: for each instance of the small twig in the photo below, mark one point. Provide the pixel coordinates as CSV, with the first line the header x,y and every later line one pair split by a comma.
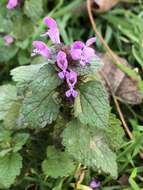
x,y
80,174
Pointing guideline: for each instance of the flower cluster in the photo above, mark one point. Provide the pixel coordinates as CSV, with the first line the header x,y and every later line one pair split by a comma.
x,y
78,52
12,4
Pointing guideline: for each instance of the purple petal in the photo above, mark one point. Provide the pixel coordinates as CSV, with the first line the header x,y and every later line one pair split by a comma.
x,y
8,39
83,62
68,93
50,22
54,35
62,60
42,49
53,31
88,52
90,41
76,54
62,74
74,93
71,78
78,45
87,55
12,4
71,92
76,50
95,184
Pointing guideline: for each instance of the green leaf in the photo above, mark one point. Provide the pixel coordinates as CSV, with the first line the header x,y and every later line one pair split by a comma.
x,y
137,53
8,95
7,52
115,131
10,120
5,24
23,58
124,25
89,148
25,74
5,135
59,184
57,164
33,9
92,105
5,151
10,166
23,44
24,28
5,140
40,107
132,181
19,140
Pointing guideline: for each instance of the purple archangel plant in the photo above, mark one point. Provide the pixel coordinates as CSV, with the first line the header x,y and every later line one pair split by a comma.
x,y
63,93
78,53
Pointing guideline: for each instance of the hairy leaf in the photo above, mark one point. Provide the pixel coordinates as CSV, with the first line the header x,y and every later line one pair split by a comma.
x,y
4,152
89,148
25,74
33,9
6,24
57,163
7,52
39,107
8,94
10,166
23,58
23,29
12,115
19,140
115,131
5,135
92,106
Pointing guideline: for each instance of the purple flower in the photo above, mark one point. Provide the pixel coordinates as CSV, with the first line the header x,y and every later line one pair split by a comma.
x,y
71,78
90,41
8,39
53,31
76,50
83,52
86,56
95,183
62,64
71,92
12,4
42,49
